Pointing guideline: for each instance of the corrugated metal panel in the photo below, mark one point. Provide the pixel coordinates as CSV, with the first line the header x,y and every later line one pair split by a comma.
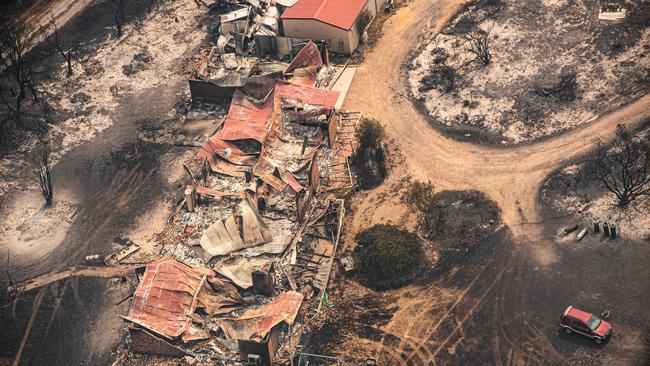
x,y
246,120
339,13
170,292
218,239
164,297
306,94
309,56
240,270
305,65
223,237
255,324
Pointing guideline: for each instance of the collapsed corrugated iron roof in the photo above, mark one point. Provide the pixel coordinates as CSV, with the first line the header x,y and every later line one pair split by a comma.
x,y
170,292
255,324
240,270
308,57
250,119
243,230
285,146
246,120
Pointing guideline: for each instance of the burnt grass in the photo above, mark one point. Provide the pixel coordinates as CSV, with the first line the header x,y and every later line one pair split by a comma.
x,y
116,178
459,221
586,47
356,318
65,321
61,336
464,234
86,30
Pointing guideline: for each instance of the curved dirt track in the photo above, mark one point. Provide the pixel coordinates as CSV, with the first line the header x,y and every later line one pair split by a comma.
x,y
497,306
509,176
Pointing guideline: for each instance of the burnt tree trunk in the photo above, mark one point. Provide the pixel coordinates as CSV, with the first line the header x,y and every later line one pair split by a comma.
x,y
68,59
41,163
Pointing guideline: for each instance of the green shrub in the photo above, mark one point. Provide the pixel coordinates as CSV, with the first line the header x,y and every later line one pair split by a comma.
x,y
364,19
388,256
420,195
369,161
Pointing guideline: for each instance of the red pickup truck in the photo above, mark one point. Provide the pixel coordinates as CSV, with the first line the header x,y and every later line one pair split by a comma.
x,y
587,324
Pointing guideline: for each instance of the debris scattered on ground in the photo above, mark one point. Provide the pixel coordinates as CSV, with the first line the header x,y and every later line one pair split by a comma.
x,y
115,258
571,192
258,225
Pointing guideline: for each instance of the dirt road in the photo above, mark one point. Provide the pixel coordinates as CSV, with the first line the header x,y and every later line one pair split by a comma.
x,y
509,176
500,306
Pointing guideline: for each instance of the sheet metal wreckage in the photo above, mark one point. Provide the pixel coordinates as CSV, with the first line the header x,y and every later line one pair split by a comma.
x,y
261,210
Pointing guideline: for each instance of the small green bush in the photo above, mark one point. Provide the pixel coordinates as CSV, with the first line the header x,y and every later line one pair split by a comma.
x,y
388,256
369,161
371,133
364,19
420,195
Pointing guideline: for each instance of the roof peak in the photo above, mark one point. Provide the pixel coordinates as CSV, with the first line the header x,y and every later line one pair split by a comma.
x,y
339,13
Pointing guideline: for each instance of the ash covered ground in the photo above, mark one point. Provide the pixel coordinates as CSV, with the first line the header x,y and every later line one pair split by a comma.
x,y
534,44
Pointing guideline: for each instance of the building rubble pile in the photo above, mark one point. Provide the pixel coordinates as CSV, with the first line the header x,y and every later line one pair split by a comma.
x,y
249,50
249,252
253,27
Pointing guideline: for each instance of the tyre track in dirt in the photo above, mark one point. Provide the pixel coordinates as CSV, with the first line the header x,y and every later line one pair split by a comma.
x,y
430,320
421,321
465,308
470,312
524,347
496,288
509,176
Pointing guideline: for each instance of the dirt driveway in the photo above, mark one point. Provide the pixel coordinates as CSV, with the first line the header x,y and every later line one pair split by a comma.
x,y
502,306
509,176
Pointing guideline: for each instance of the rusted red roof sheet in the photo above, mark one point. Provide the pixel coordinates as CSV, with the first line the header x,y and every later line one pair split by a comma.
x,y
307,94
164,297
309,56
255,324
246,120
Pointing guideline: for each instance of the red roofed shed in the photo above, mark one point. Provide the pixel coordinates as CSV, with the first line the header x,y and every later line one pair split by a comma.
x,y
334,21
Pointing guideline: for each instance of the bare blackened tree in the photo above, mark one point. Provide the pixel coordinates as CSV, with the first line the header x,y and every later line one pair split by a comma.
x,y
478,41
15,42
58,45
119,16
624,167
41,163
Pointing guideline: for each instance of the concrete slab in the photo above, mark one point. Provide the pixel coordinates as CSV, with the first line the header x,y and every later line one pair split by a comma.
x,y
343,83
